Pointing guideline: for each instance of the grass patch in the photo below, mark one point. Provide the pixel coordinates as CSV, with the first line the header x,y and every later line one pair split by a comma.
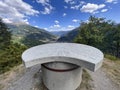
x,y
111,57
112,68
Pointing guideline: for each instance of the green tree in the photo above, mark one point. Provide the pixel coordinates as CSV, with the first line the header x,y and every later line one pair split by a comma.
x,y
91,32
10,53
117,40
112,40
100,33
5,35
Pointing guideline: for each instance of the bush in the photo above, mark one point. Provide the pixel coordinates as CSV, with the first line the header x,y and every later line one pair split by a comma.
x,y
111,57
11,57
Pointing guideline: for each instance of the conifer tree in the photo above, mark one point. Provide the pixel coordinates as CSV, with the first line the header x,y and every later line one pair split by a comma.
x,y
5,35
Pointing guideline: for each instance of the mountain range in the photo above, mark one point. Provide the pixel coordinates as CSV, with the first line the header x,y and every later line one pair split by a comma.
x,y
30,35
59,33
70,36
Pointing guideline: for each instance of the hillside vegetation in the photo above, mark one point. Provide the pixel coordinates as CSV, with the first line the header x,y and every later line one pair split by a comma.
x,y
15,38
69,37
102,34
29,35
10,53
98,32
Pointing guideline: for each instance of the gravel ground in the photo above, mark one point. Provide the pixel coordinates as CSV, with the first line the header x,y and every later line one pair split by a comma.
x,y
102,82
26,81
30,79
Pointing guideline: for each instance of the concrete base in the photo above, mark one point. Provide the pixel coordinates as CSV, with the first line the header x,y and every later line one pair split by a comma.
x,y
61,76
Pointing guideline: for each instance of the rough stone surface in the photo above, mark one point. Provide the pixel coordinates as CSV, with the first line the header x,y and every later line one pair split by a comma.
x,y
79,54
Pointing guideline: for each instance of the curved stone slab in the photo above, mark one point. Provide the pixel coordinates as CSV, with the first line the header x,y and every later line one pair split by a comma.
x,y
79,54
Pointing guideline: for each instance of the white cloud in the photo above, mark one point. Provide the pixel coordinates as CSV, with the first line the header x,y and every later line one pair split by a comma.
x,y
43,2
47,6
36,26
75,4
65,7
64,14
20,6
101,6
56,22
91,8
6,20
112,1
55,26
15,11
60,28
76,7
82,2
75,20
72,2
87,21
71,27
46,11
95,12
104,10
68,28
67,1
26,21
46,28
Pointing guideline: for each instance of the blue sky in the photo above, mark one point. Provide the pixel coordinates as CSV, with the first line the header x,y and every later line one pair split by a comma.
x,y
56,15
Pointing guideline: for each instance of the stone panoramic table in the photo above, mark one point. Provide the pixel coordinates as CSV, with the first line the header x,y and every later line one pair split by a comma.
x,y
62,63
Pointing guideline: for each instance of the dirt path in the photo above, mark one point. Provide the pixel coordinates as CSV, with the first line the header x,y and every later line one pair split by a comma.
x,y
26,81
102,82
30,79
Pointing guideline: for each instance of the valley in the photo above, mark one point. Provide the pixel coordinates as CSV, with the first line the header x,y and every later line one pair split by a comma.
x,y
29,35
26,36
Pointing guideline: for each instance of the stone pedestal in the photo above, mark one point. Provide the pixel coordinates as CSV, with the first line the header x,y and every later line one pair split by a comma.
x,y
61,63
61,75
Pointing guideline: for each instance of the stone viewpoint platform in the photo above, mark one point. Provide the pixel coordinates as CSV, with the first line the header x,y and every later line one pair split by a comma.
x,y
62,63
